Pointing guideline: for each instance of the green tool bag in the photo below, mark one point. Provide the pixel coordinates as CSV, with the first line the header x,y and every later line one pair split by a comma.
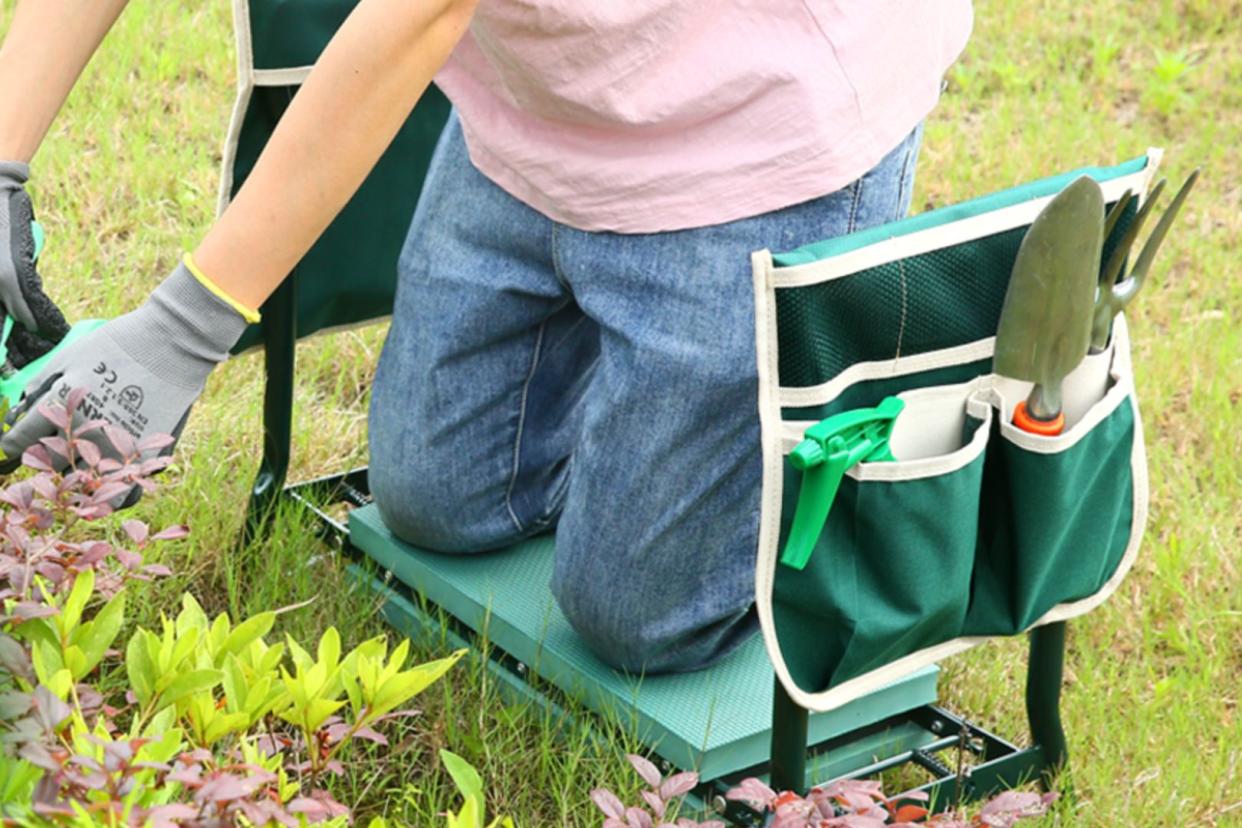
x,y
971,528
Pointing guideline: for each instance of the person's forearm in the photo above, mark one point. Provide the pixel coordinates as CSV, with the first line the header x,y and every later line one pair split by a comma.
x,y
356,98
48,45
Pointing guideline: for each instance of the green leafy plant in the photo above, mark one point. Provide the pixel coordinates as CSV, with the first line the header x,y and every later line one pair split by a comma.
x,y
470,784
216,726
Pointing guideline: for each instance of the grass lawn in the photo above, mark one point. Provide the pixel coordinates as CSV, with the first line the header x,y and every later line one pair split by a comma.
x,y
127,180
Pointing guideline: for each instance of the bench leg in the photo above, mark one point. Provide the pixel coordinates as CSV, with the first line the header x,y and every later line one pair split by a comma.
x,y
789,737
1043,696
279,348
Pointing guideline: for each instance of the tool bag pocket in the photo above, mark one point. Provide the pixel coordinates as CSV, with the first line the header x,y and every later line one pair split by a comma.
x,y
1056,513
892,568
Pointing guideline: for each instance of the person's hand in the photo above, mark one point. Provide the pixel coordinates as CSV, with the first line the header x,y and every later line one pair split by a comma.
x,y
141,372
40,324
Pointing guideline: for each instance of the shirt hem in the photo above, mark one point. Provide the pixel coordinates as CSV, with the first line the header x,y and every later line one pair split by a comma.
x,y
710,204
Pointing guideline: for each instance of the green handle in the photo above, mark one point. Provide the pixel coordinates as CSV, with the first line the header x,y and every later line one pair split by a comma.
x,y
829,449
13,385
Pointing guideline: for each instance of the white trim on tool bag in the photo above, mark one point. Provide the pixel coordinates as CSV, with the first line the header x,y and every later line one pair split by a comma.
x,y
812,395
245,87
293,76
777,436
926,439
247,79
945,235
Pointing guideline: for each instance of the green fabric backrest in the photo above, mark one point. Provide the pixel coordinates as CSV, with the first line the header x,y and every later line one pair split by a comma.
x,y
940,299
349,276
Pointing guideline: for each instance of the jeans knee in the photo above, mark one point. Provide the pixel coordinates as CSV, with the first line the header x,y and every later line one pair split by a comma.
x,y
609,635
429,510
644,622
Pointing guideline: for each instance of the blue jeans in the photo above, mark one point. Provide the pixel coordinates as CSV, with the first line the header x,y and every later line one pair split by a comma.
x,y
537,375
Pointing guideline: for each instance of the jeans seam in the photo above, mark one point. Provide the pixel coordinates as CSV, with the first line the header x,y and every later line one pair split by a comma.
x,y
901,180
557,499
858,188
556,260
521,425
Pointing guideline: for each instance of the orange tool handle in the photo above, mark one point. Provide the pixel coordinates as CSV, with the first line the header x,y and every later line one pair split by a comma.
x,y
1048,428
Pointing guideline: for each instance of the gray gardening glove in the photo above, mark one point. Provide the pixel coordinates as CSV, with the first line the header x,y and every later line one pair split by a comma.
x,y
40,324
141,372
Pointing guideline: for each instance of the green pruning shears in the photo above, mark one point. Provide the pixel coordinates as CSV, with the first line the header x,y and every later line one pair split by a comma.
x,y
13,381
829,449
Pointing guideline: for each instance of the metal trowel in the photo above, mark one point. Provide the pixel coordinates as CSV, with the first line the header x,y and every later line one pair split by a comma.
x,y
1045,322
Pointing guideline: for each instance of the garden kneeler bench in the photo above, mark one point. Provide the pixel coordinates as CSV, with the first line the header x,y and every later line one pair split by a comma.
x,y
938,557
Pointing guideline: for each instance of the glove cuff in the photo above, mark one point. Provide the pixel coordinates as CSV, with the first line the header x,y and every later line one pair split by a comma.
x,y
249,314
13,174
181,330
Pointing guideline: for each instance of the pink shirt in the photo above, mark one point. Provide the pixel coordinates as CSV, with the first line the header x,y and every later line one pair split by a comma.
x,y
649,115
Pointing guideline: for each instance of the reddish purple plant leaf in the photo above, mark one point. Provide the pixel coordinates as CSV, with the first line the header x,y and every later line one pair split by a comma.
x,y
371,735
189,775
638,818
312,808
224,787
127,558
88,426
15,660
657,805
168,816
857,821
155,442
137,531
120,440
56,445
44,486
72,400
649,773
19,495
109,490
753,792
608,802
1007,808
857,802
28,610
947,821
175,532
93,553
678,785
335,809
88,451
57,415
265,812
14,705
39,756
155,465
